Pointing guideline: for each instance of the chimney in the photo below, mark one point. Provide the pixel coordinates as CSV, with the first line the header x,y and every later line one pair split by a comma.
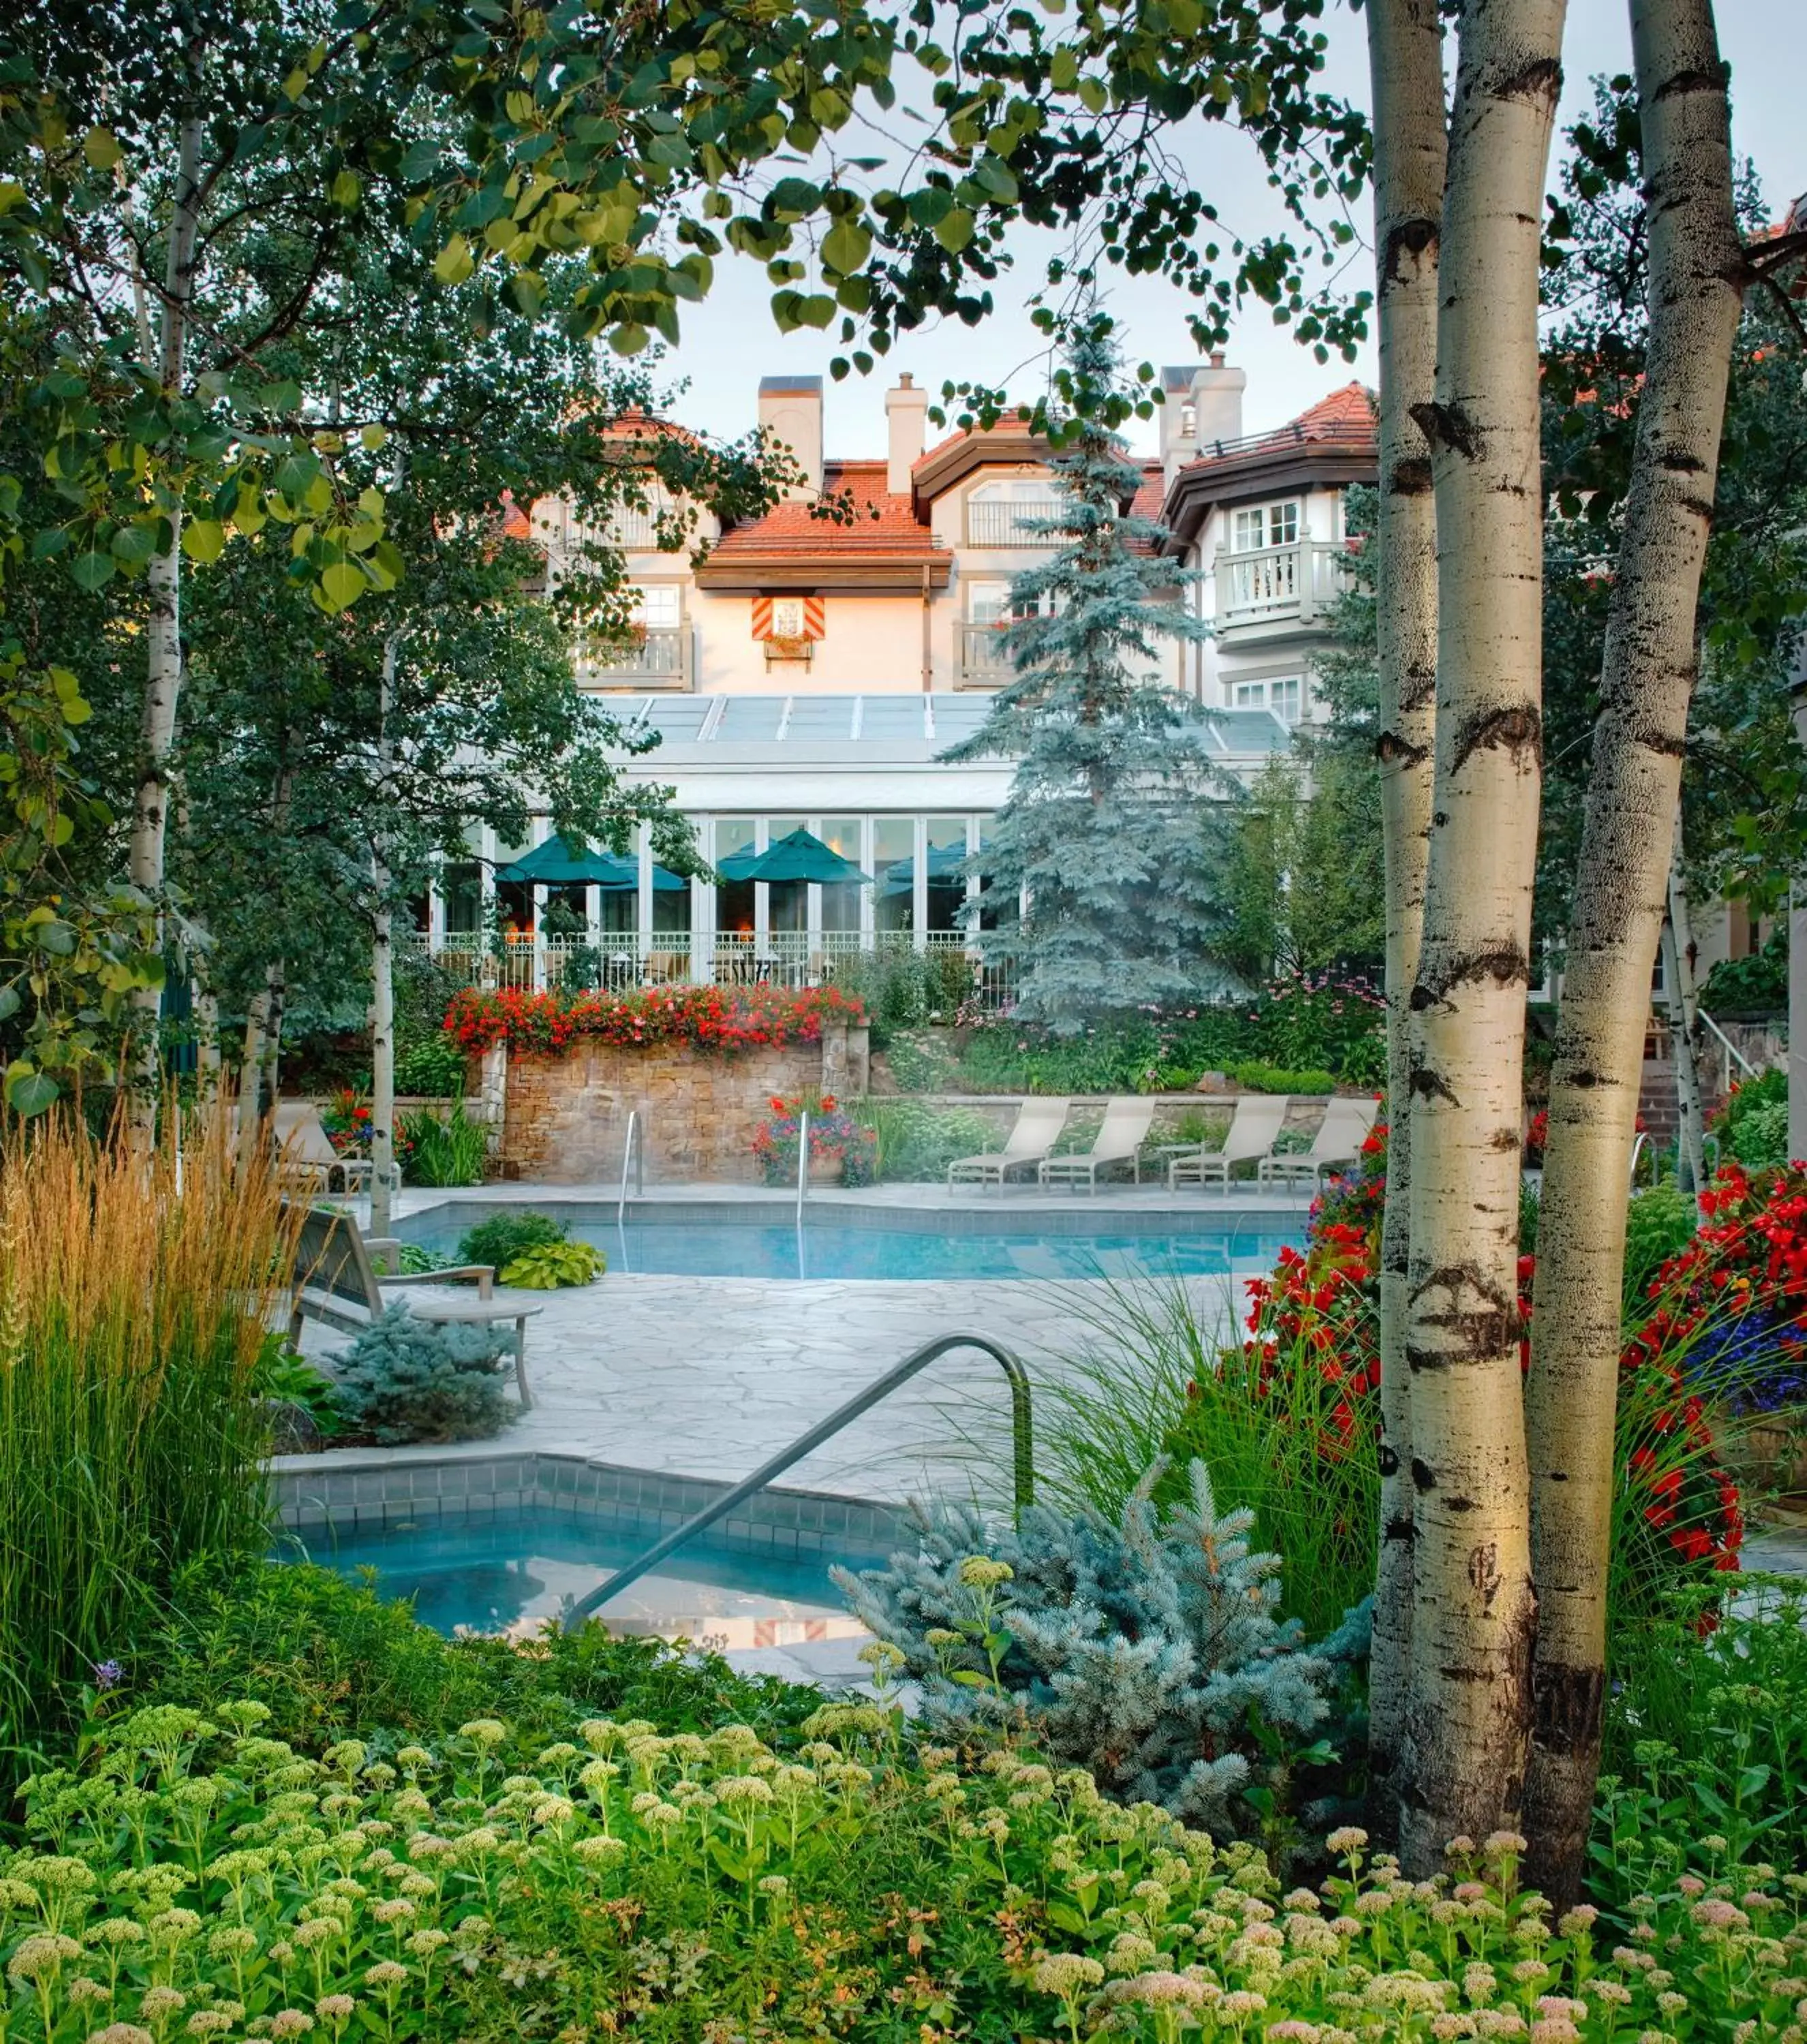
x,y
906,418
1217,398
790,411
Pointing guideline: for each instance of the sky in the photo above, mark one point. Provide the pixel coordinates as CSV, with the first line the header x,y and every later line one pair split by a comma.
x,y
730,341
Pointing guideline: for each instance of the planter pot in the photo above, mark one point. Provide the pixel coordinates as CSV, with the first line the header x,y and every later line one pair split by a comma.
x,y
825,1170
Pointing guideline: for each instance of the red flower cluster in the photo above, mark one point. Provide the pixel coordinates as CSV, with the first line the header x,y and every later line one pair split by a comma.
x,y
715,1018
1318,1313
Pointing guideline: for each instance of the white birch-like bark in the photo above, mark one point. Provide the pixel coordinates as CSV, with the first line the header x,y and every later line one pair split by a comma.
x,y
1411,139
1629,849
1474,1616
383,974
162,620
1684,1028
251,1063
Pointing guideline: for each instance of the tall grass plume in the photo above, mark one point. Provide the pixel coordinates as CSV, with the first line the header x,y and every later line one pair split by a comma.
x,y
135,1293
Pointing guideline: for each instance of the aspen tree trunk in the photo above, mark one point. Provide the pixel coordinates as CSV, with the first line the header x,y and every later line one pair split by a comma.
x,y
251,1062
1685,1027
163,623
1411,144
1630,847
1474,1617
383,977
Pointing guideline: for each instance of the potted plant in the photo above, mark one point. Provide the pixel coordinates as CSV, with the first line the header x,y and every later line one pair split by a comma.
x,y
842,1152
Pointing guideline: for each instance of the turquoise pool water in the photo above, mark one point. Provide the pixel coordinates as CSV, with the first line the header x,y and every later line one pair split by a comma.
x,y
832,1249
498,1572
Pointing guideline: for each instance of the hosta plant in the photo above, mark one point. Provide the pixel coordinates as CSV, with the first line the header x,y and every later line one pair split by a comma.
x,y
196,1879
547,1266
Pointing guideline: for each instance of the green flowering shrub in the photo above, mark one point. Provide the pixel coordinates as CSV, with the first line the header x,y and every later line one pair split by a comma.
x,y
405,1380
336,1660
504,1236
196,1877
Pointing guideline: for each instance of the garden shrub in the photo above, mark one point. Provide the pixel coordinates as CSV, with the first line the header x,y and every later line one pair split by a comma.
x,y
335,1659
1756,986
504,1236
1752,1126
133,1412
1147,1651
1254,1076
548,1266
405,1381
718,1018
289,1383
1659,1224
1706,1743
442,1150
195,1875
431,1067
912,1141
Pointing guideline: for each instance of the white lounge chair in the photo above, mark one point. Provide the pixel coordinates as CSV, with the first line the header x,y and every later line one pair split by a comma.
x,y
1257,1121
1038,1126
1119,1141
1341,1135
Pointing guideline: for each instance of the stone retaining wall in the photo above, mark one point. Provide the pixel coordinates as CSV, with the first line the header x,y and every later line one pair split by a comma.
x,y
563,1114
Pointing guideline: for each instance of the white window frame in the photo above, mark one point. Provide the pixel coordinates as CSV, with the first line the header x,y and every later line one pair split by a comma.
x,y
1256,527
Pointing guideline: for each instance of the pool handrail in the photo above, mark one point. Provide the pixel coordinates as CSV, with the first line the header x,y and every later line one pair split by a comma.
x,y
629,1155
802,1163
1021,1444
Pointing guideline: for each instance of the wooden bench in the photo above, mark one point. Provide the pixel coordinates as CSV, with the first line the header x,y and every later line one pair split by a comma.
x,y
336,1283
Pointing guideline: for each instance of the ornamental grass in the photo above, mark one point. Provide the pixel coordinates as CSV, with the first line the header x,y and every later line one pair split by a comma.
x,y
133,1295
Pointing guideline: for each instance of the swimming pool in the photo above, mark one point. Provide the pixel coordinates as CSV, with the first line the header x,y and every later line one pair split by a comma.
x,y
501,1572
966,1246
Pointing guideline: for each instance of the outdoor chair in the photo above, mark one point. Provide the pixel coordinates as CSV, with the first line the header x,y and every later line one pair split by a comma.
x,y
305,1159
1341,1135
1038,1126
336,1283
1257,1121
1119,1141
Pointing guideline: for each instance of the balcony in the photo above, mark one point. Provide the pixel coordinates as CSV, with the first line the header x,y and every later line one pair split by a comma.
x,y
1004,524
1275,590
984,663
662,657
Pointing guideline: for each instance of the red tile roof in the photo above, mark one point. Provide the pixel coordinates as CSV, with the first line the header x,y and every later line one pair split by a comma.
x,y
881,523
1353,406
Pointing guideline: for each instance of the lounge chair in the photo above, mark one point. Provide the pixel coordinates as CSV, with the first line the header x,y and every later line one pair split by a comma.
x,y
1257,1121
1119,1141
1341,1135
1038,1126
336,1283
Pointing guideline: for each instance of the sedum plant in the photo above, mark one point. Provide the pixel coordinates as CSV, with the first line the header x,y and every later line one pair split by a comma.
x,y
545,1266
405,1380
194,1878
1147,1649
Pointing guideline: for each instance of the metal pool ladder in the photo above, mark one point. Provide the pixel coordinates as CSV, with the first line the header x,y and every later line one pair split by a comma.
x,y
1022,1455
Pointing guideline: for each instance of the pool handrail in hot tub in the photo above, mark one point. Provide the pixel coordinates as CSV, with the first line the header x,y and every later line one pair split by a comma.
x,y
1022,1444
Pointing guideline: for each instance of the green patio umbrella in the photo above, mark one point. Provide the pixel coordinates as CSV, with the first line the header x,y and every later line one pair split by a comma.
x,y
947,862
800,856
556,863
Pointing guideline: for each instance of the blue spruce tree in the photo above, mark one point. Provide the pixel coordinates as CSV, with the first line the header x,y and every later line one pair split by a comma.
x,y
1116,831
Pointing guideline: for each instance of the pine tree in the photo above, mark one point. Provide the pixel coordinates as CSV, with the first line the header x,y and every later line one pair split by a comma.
x,y
1149,1650
1115,832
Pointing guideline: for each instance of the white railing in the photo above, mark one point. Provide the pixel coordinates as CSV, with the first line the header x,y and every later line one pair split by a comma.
x,y
622,963
1278,584
1005,524
984,663
660,658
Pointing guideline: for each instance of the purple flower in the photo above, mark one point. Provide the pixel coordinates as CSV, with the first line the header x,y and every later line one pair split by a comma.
x,y
108,1675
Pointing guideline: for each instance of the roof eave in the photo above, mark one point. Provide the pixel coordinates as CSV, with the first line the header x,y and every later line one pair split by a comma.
x,y
1203,486
754,573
